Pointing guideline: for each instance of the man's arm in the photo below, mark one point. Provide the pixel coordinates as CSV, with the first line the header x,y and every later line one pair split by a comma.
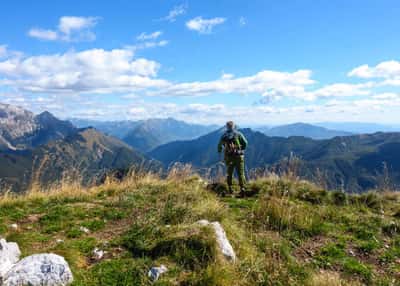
x,y
243,141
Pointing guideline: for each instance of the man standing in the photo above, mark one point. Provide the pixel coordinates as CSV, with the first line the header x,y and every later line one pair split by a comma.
x,y
234,144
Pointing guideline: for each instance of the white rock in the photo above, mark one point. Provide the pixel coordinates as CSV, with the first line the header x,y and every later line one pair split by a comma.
x,y
39,270
203,222
222,240
84,229
14,226
155,272
58,240
98,253
9,255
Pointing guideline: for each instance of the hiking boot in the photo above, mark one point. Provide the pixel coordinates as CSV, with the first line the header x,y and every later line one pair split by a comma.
x,y
242,193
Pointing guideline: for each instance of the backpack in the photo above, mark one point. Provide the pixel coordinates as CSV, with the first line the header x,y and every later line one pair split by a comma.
x,y
231,144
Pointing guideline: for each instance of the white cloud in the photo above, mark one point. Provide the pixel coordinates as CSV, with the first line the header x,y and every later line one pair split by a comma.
x,y
262,83
175,12
227,76
343,90
388,69
147,45
90,71
152,36
48,35
146,41
70,28
204,26
387,96
69,24
78,80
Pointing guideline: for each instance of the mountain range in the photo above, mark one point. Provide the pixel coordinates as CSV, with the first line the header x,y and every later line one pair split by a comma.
x,y
41,149
360,127
302,129
145,135
21,129
353,163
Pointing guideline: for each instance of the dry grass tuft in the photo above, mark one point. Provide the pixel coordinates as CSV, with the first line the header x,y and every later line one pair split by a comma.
x,y
330,278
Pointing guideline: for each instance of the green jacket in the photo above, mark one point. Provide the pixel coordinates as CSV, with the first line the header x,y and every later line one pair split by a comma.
x,y
241,140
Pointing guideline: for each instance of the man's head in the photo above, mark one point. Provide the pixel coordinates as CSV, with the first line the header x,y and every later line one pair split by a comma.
x,y
230,125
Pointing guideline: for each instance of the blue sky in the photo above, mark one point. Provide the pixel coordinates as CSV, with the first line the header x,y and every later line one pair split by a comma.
x,y
256,62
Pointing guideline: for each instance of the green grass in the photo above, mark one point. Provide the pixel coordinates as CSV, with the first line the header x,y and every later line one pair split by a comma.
x,y
284,233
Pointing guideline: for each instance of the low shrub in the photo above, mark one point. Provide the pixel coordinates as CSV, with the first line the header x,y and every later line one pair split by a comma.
x,y
339,198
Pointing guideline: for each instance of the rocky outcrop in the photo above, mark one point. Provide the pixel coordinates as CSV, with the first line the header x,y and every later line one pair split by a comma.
x,y
222,240
9,255
35,270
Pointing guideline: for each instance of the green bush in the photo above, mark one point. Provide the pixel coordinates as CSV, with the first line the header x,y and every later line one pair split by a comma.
x,y
353,266
339,198
119,272
371,200
368,246
85,245
140,238
173,214
94,225
74,232
317,196
218,188
392,228
194,252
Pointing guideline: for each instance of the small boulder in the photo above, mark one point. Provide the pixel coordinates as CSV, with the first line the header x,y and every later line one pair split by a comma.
x,y
39,270
222,240
98,254
84,229
9,255
155,272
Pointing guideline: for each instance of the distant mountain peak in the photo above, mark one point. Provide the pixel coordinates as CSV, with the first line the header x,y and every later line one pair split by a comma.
x,y
21,129
303,129
46,115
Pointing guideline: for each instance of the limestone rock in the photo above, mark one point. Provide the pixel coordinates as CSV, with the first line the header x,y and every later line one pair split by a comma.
x,y
14,226
155,272
9,255
98,254
84,229
222,240
39,270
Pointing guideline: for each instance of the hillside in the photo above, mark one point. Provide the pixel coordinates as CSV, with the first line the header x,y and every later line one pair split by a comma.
x,y
303,129
355,163
84,156
284,233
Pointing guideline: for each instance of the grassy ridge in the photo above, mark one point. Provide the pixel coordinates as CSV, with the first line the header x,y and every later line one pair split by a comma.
x,y
284,233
